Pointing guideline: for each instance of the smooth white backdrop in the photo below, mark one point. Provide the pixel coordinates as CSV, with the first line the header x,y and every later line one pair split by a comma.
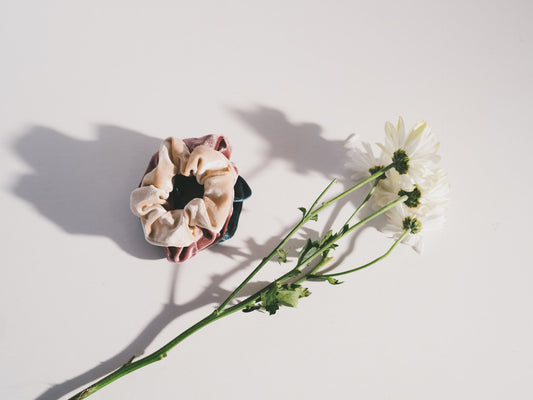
x,y
89,88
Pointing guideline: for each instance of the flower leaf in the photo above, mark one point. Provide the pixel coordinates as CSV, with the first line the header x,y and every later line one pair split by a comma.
x,y
277,295
309,250
289,295
326,236
269,300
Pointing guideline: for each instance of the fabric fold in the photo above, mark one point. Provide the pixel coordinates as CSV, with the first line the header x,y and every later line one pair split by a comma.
x,y
201,217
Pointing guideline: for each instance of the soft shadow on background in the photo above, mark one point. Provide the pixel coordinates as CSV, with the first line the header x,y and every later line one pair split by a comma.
x,y
302,146
299,144
213,293
169,311
84,186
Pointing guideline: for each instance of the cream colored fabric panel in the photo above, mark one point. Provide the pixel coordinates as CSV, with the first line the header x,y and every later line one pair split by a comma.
x,y
180,228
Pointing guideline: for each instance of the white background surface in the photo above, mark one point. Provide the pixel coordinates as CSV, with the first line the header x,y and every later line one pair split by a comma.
x,y
88,89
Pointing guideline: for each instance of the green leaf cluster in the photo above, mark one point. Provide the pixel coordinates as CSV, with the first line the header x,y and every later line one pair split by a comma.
x,y
327,243
278,295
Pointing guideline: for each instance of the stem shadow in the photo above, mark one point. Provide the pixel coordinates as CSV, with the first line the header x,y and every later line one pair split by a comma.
x,y
170,311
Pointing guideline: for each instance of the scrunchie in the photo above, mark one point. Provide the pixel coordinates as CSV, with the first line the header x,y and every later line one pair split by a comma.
x,y
190,196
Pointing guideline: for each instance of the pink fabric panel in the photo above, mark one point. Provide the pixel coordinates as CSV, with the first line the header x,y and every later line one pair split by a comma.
x,y
219,143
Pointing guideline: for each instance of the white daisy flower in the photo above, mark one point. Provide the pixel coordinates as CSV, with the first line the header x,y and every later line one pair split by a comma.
x,y
398,221
361,158
401,218
414,153
428,196
388,189
423,210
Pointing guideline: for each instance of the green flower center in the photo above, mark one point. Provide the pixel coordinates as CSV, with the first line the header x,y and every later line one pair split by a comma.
x,y
412,224
375,169
400,161
413,197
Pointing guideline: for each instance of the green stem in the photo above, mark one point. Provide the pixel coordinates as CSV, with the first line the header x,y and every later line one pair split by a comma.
x,y
319,265
337,237
305,218
310,214
160,353
222,311
325,276
321,195
365,201
383,209
353,188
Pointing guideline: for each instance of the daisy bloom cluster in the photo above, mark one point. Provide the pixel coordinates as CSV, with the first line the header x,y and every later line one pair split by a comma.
x,y
411,159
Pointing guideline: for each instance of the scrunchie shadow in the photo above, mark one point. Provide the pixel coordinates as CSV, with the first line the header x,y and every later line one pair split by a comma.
x,y
83,186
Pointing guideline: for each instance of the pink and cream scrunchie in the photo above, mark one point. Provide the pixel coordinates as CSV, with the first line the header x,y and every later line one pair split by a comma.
x,y
190,196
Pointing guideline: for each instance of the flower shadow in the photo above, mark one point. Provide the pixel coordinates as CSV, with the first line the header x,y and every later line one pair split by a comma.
x,y
299,144
83,186
305,149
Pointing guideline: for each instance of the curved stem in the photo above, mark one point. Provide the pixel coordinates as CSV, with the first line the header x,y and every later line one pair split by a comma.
x,y
325,276
355,187
383,209
336,238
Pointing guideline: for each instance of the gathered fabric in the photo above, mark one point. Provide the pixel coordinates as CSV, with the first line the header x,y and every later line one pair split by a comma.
x,y
203,220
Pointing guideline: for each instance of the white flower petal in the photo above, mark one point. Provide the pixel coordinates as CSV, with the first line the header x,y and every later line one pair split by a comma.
x,y
361,157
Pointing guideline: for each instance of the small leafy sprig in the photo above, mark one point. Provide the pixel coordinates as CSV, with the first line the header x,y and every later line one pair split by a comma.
x,y
404,206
